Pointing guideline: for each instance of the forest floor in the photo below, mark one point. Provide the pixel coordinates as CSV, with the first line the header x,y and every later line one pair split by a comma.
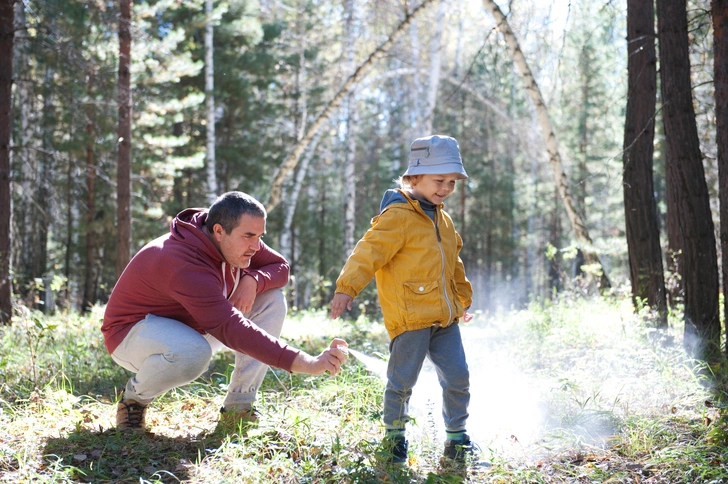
x,y
574,391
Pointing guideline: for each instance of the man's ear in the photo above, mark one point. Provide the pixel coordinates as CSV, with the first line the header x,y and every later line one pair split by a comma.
x,y
218,231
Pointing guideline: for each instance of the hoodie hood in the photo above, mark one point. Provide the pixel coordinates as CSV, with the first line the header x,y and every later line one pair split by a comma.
x,y
393,196
390,197
188,226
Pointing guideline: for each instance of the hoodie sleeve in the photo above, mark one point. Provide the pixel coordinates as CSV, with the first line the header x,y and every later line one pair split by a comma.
x,y
269,269
198,290
381,242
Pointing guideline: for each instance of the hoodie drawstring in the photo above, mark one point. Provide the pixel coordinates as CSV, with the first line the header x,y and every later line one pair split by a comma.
x,y
236,275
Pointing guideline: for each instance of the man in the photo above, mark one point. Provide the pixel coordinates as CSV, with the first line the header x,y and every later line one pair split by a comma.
x,y
173,306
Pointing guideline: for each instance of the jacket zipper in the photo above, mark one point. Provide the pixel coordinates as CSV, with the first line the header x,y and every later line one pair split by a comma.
x,y
442,274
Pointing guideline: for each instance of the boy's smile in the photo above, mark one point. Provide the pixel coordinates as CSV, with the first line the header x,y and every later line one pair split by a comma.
x,y
435,188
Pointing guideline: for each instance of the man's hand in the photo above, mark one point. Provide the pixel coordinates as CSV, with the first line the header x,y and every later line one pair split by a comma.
x,y
467,317
243,296
329,360
339,303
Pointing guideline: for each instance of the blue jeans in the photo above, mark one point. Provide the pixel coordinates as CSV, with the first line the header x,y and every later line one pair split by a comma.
x,y
444,348
165,353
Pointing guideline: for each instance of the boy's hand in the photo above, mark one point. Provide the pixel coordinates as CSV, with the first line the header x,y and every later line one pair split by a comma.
x,y
467,317
339,303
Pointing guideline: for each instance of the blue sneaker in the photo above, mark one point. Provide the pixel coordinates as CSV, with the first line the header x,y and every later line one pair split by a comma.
x,y
458,450
394,448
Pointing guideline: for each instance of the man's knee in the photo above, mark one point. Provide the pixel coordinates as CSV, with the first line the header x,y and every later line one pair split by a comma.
x,y
190,360
269,311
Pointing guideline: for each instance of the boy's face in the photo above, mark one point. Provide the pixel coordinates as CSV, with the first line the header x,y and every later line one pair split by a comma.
x,y
434,188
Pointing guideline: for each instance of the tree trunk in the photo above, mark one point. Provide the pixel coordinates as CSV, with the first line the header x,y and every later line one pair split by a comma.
x,y
414,127
210,105
89,286
26,152
351,127
292,159
640,207
689,216
577,222
287,248
44,177
433,79
123,172
7,32
720,68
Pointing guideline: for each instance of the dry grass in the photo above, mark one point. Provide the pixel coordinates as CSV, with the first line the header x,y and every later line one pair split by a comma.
x,y
609,400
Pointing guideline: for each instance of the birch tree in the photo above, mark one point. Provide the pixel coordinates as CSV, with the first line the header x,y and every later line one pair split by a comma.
x,y
575,218
210,104
292,159
351,125
433,79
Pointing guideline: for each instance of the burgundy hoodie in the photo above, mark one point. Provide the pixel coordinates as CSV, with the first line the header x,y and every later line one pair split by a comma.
x,y
180,276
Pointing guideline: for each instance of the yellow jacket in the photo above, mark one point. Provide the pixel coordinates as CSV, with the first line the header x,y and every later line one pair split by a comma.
x,y
420,277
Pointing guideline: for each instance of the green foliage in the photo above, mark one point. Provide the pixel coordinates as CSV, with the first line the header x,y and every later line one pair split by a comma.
x,y
665,424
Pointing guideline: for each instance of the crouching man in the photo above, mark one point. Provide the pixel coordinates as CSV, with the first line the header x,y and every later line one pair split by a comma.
x,y
210,282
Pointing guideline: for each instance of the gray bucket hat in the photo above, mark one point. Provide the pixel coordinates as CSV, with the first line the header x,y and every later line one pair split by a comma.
x,y
435,155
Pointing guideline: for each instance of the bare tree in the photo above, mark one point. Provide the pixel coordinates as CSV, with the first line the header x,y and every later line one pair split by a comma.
x,y
210,105
351,128
7,33
577,222
640,207
123,168
720,70
690,222
292,159
433,79
89,287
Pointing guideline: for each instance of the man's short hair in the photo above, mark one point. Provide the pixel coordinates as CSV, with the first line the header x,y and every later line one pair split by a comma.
x,y
227,209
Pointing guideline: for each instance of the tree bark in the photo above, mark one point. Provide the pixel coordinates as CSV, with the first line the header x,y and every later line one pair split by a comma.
x,y
27,153
123,173
640,207
292,159
577,222
433,86
210,105
44,177
89,286
720,69
351,128
7,32
689,216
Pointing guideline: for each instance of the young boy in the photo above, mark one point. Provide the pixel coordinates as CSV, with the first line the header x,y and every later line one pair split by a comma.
x,y
412,248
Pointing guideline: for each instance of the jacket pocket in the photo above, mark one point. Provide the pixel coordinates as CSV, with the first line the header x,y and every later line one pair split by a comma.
x,y
424,301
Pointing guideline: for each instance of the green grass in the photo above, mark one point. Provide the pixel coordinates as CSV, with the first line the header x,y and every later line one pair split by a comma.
x,y
619,402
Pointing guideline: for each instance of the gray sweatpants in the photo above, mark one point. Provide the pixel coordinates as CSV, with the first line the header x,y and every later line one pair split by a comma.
x,y
444,347
165,353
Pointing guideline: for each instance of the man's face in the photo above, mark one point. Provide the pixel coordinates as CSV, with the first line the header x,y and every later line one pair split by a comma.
x,y
242,242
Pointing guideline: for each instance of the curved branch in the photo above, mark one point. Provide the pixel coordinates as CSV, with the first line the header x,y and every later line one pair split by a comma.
x,y
292,160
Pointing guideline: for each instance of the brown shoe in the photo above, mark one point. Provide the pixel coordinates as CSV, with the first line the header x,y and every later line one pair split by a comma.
x,y
130,415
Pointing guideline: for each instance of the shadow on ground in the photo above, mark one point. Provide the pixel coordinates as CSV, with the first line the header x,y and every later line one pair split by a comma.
x,y
115,456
